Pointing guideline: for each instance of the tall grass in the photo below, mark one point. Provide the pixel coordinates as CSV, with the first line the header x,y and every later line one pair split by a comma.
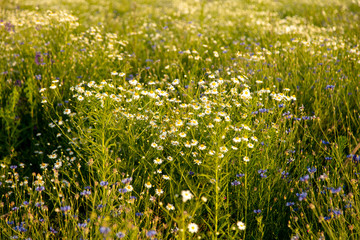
x,y
179,120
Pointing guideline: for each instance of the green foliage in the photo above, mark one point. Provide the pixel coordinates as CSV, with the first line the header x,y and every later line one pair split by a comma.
x,y
179,119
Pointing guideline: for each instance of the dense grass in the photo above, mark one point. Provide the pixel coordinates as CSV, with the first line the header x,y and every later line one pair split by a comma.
x,y
179,119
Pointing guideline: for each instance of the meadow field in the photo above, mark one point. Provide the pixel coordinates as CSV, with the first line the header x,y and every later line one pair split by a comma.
x,y
179,119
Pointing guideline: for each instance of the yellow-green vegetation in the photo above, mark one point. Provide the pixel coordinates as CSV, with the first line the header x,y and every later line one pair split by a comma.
x,y
179,119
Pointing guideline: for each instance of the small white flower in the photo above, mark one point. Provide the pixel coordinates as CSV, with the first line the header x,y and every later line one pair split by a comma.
x,y
129,188
186,195
58,164
67,111
159,191
148,185
250,145
170,207
158,161
241,225
193,227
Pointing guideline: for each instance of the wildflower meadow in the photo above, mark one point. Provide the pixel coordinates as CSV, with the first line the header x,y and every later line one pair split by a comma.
x,y
179,119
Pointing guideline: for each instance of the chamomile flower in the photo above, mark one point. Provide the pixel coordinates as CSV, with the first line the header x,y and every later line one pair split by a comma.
x,y
214,84
179,123
197,162
193,228
52,156
245,94
211,152
182,134
186,195
170,207
193,122
237,139
67,111
194,142
44,165
202,147
158,161
129,188
58,164
148,185
241,225
159,191
223,149
175,82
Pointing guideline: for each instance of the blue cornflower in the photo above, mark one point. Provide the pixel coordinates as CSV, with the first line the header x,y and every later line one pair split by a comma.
x,y
302,195
330,87
151,233
304,178
104,230
120,235
39,189
82,225
284,174
104,183
335,190
126,180
65,208
85,193
235,183
288,204
337,212
311,170
139,214
122,190
257,211
262,173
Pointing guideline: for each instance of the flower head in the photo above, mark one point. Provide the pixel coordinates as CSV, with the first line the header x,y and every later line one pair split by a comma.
x,y
193,227
186,195
241,225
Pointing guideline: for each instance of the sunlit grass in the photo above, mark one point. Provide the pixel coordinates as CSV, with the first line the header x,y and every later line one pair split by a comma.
x,y
179,119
